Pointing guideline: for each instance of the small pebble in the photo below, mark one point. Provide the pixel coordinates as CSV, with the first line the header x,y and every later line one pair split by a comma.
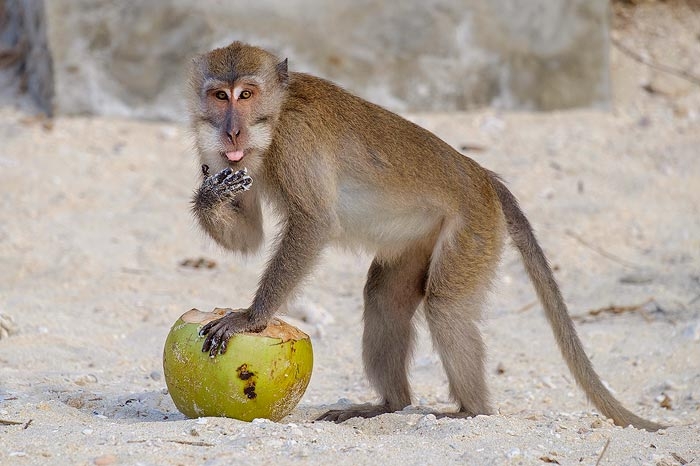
x,y
664,401
598,423
514,453
85,379
429,420
692,331
105,460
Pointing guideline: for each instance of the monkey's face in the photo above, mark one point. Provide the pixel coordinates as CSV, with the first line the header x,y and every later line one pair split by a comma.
x,y
239,93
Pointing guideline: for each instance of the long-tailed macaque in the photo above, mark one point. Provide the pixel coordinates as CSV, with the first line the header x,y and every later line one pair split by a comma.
x,y
340,170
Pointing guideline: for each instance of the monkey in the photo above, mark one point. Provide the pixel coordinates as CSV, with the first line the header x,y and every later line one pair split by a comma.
x,y
340,170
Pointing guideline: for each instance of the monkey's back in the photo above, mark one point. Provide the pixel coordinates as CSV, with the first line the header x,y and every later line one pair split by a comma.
x,y
393,177
376,145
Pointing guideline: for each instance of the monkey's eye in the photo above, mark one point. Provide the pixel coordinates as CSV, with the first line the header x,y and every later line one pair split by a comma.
x,y
221,95
245,94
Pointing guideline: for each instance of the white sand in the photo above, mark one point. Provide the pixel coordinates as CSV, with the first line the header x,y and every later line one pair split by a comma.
x,y
94,223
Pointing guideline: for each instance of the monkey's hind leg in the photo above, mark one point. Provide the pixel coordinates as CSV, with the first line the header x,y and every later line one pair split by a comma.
x,y
393,291
458,282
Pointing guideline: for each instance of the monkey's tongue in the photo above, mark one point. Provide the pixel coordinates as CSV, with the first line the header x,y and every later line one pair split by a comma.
x,y
234,156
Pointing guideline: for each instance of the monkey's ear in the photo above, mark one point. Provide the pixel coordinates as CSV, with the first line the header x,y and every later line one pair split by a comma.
x,y
282,72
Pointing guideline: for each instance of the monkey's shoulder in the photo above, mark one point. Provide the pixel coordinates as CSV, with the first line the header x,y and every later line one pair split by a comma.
x,y
321,99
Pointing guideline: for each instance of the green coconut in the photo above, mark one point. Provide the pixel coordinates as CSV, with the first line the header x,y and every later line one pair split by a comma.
x,y
261,375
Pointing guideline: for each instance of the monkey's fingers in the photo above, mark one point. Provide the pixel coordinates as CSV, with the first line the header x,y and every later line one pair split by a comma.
x,y
224,343
204,332
244,183
205,329
237,177
241,173
216,337
221,176
219,332
237,182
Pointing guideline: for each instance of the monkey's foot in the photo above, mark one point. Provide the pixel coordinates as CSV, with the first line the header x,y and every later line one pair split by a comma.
x,y
365,411
218,332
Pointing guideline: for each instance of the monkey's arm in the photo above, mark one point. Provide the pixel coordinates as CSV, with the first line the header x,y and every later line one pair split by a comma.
x,y
297,250
227,211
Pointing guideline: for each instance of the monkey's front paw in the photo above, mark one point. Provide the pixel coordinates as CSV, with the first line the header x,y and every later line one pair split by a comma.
x,y
218,332
221,187
366,411
228,183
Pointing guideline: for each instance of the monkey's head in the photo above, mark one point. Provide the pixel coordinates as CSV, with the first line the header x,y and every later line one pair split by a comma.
x,y
237,93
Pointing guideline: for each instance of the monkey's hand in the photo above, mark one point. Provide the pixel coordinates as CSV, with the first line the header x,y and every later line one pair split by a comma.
x,y
221,187
218,332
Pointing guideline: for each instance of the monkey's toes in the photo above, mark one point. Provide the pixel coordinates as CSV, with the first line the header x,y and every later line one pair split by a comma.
x,y
342,415
335,415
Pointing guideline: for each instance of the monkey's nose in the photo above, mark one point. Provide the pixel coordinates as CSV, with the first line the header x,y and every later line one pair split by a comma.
x,y
233,134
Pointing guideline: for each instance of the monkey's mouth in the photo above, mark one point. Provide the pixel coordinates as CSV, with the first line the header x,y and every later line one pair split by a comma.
x,y
234,155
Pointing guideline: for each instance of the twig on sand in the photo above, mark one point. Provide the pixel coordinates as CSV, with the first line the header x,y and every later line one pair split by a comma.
x,y
182,442
601,251
5,422
196,444
679,458
605,448
527,307
613,309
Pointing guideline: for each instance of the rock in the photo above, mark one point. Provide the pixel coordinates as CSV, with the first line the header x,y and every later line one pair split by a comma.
x,y
7,326
25,60
131,58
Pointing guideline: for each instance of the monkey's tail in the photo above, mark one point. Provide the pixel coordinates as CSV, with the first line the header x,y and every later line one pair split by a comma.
x,y
548,292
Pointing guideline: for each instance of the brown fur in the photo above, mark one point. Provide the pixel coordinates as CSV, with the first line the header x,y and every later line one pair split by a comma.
x,y
341,170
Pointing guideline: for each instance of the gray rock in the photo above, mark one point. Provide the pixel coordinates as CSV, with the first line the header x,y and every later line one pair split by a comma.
x,y
25,61
130,58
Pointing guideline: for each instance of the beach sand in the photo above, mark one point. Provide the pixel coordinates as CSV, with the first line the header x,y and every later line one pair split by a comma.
x,y
95,226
